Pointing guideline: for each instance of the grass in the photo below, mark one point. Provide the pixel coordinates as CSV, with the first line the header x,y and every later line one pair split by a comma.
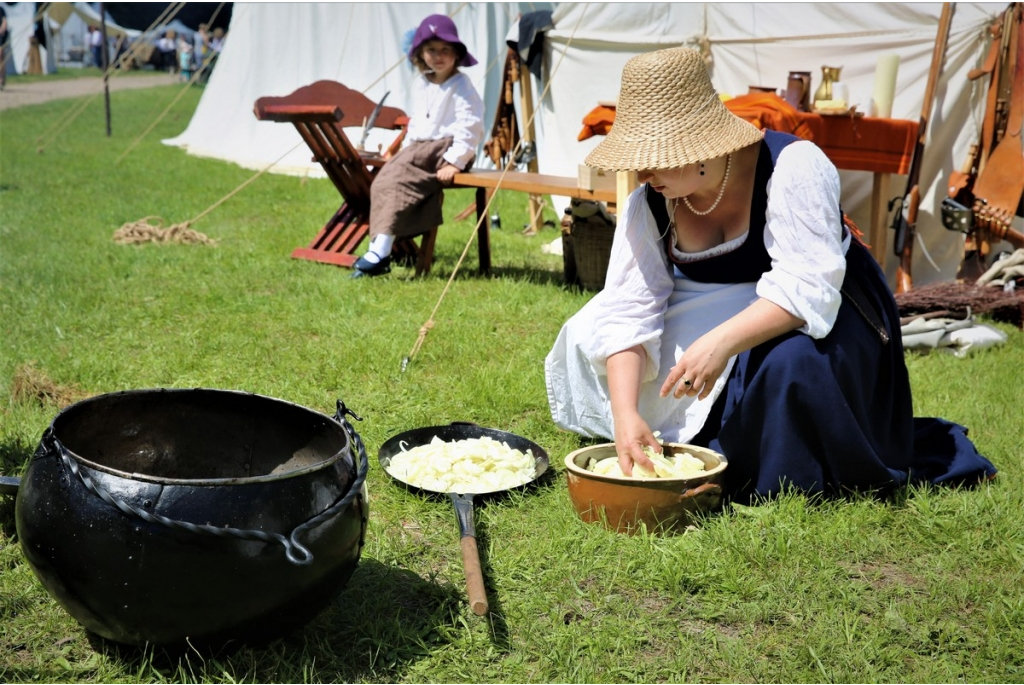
x,y
925,587
64,73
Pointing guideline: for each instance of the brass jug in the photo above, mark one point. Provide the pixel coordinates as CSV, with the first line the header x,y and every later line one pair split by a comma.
x,y
829,75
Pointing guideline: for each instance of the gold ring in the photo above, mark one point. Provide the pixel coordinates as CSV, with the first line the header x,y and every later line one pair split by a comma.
x,y
687,383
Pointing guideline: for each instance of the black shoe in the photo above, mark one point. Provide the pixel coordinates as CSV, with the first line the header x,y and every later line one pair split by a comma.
x,y
364,267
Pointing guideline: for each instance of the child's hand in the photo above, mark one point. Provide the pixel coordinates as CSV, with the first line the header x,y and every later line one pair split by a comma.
x,y
446,174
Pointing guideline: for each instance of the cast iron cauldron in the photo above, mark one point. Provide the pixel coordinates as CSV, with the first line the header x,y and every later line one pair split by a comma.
x,y
160,516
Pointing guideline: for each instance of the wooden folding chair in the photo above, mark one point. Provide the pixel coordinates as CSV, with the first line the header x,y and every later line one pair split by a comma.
x,y
320,112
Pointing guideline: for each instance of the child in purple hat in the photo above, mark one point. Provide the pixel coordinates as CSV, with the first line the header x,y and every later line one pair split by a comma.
x,y
444,130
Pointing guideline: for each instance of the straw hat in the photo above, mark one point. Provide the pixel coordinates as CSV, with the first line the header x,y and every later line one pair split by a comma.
x,y
668,116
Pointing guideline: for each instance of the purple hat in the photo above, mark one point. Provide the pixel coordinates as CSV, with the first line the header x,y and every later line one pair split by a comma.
x,y
443,28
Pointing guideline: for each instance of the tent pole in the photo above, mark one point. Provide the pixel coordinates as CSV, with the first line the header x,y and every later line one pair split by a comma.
x,y
106,64
529,136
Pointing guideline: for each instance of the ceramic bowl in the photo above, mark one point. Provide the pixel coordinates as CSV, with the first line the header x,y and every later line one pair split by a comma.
x,y
628,505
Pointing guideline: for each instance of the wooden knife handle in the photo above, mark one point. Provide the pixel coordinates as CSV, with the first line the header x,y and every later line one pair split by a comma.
x,y
474,576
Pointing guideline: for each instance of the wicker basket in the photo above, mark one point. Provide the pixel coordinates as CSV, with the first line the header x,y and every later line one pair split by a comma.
x,y
587,247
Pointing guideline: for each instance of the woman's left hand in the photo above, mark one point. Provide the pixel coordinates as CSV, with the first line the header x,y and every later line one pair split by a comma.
x,y
695,373
446,174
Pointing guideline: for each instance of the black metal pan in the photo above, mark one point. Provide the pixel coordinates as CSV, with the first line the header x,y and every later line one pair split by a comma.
x,y
463,501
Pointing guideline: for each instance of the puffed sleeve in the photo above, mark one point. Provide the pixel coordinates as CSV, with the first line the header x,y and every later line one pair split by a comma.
x,y
804,238
630,310
468,129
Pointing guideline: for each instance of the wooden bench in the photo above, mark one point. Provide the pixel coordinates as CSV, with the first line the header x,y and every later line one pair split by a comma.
x,y
486,182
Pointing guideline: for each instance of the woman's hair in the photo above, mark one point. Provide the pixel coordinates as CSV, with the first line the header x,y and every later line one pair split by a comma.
x,y
417,56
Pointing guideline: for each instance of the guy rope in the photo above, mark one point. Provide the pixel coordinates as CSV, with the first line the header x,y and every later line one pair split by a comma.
x,y
113,69
198,73
429,323
142,230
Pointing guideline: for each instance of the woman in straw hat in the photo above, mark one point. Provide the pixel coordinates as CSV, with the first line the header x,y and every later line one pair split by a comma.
x,y
739,311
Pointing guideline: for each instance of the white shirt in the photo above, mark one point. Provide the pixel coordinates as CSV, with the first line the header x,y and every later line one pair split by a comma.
x,y
450,109
802,236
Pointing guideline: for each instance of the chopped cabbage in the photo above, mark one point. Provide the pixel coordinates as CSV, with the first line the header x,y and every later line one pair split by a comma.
x,y
680,465
465,466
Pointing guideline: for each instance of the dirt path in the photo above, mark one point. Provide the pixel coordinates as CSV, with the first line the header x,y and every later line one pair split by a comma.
x,y
19,95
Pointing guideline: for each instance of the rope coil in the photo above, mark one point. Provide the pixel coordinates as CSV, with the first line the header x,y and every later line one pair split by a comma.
x,y
141,231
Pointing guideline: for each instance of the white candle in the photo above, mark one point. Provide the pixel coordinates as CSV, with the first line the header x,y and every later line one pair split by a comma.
x,y
885,85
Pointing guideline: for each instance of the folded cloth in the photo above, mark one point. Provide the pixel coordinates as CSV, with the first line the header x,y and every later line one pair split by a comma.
x,y
955,336
764,110
1005,270
597,122
768,110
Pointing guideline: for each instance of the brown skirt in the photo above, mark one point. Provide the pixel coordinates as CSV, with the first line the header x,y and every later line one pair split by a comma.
x,y
405,197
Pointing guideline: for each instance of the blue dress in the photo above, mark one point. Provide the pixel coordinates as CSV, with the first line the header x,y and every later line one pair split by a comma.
x,y
830,414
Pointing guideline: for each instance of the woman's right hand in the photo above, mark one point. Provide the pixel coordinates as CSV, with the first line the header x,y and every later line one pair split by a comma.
x,y
631,435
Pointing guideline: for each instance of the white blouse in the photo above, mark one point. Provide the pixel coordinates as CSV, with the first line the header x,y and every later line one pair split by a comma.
x,y
802,236
450,109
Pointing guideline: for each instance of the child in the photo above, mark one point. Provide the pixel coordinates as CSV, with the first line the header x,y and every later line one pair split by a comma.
x,y
185,60
444,130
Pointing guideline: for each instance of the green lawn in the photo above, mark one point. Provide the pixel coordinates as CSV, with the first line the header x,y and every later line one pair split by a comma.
x,y
926,587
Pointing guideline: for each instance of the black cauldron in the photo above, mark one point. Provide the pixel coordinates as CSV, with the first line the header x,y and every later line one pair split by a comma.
x,y
165,516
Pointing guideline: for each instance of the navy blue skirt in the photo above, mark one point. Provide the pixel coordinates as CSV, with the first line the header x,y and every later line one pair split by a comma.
x,y
835,414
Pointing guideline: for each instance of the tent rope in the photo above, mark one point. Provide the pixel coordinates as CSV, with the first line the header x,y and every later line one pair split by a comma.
x,y
113,69
181,93
429,324
134,47
132,227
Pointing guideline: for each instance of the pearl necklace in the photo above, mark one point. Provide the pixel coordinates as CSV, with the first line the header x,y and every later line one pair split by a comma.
x,y
721,192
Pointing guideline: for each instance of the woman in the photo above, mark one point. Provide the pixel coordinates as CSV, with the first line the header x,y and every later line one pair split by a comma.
x,y
739,311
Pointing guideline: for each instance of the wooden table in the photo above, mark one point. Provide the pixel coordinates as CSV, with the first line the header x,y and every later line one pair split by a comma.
x,y
853,143
881,146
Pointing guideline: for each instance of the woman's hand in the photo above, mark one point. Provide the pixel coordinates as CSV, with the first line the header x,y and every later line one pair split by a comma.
x,y
695,373
446,174
631,434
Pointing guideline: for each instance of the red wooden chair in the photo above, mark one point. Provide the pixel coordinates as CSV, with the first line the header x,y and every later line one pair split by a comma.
x,y
320,112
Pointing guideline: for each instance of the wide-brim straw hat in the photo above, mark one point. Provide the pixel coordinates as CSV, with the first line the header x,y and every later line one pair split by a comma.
x,y
668,116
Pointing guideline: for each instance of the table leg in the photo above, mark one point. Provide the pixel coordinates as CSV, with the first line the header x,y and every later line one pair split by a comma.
x,y
625,183
483,231
879,217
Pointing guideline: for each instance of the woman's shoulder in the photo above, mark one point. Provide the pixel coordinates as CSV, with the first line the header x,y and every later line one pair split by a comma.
x,y
802,166
802,152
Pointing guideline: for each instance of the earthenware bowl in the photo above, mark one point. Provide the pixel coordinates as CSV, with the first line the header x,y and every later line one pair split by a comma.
x,y
628,505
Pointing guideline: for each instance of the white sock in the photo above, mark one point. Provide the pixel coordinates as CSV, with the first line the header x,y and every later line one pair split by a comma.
x,y
380,247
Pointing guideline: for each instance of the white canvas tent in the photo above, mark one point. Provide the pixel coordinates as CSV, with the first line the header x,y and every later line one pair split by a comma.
x,y
273,49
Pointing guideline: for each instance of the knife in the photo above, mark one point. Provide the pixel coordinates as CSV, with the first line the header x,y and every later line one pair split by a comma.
x,y
371,121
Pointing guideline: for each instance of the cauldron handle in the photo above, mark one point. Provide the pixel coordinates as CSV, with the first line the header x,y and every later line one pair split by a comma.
x,y
295,551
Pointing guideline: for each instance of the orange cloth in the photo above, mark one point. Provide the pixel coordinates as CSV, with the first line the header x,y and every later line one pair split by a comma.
x,y
597,122
884,146
768,110
853,143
